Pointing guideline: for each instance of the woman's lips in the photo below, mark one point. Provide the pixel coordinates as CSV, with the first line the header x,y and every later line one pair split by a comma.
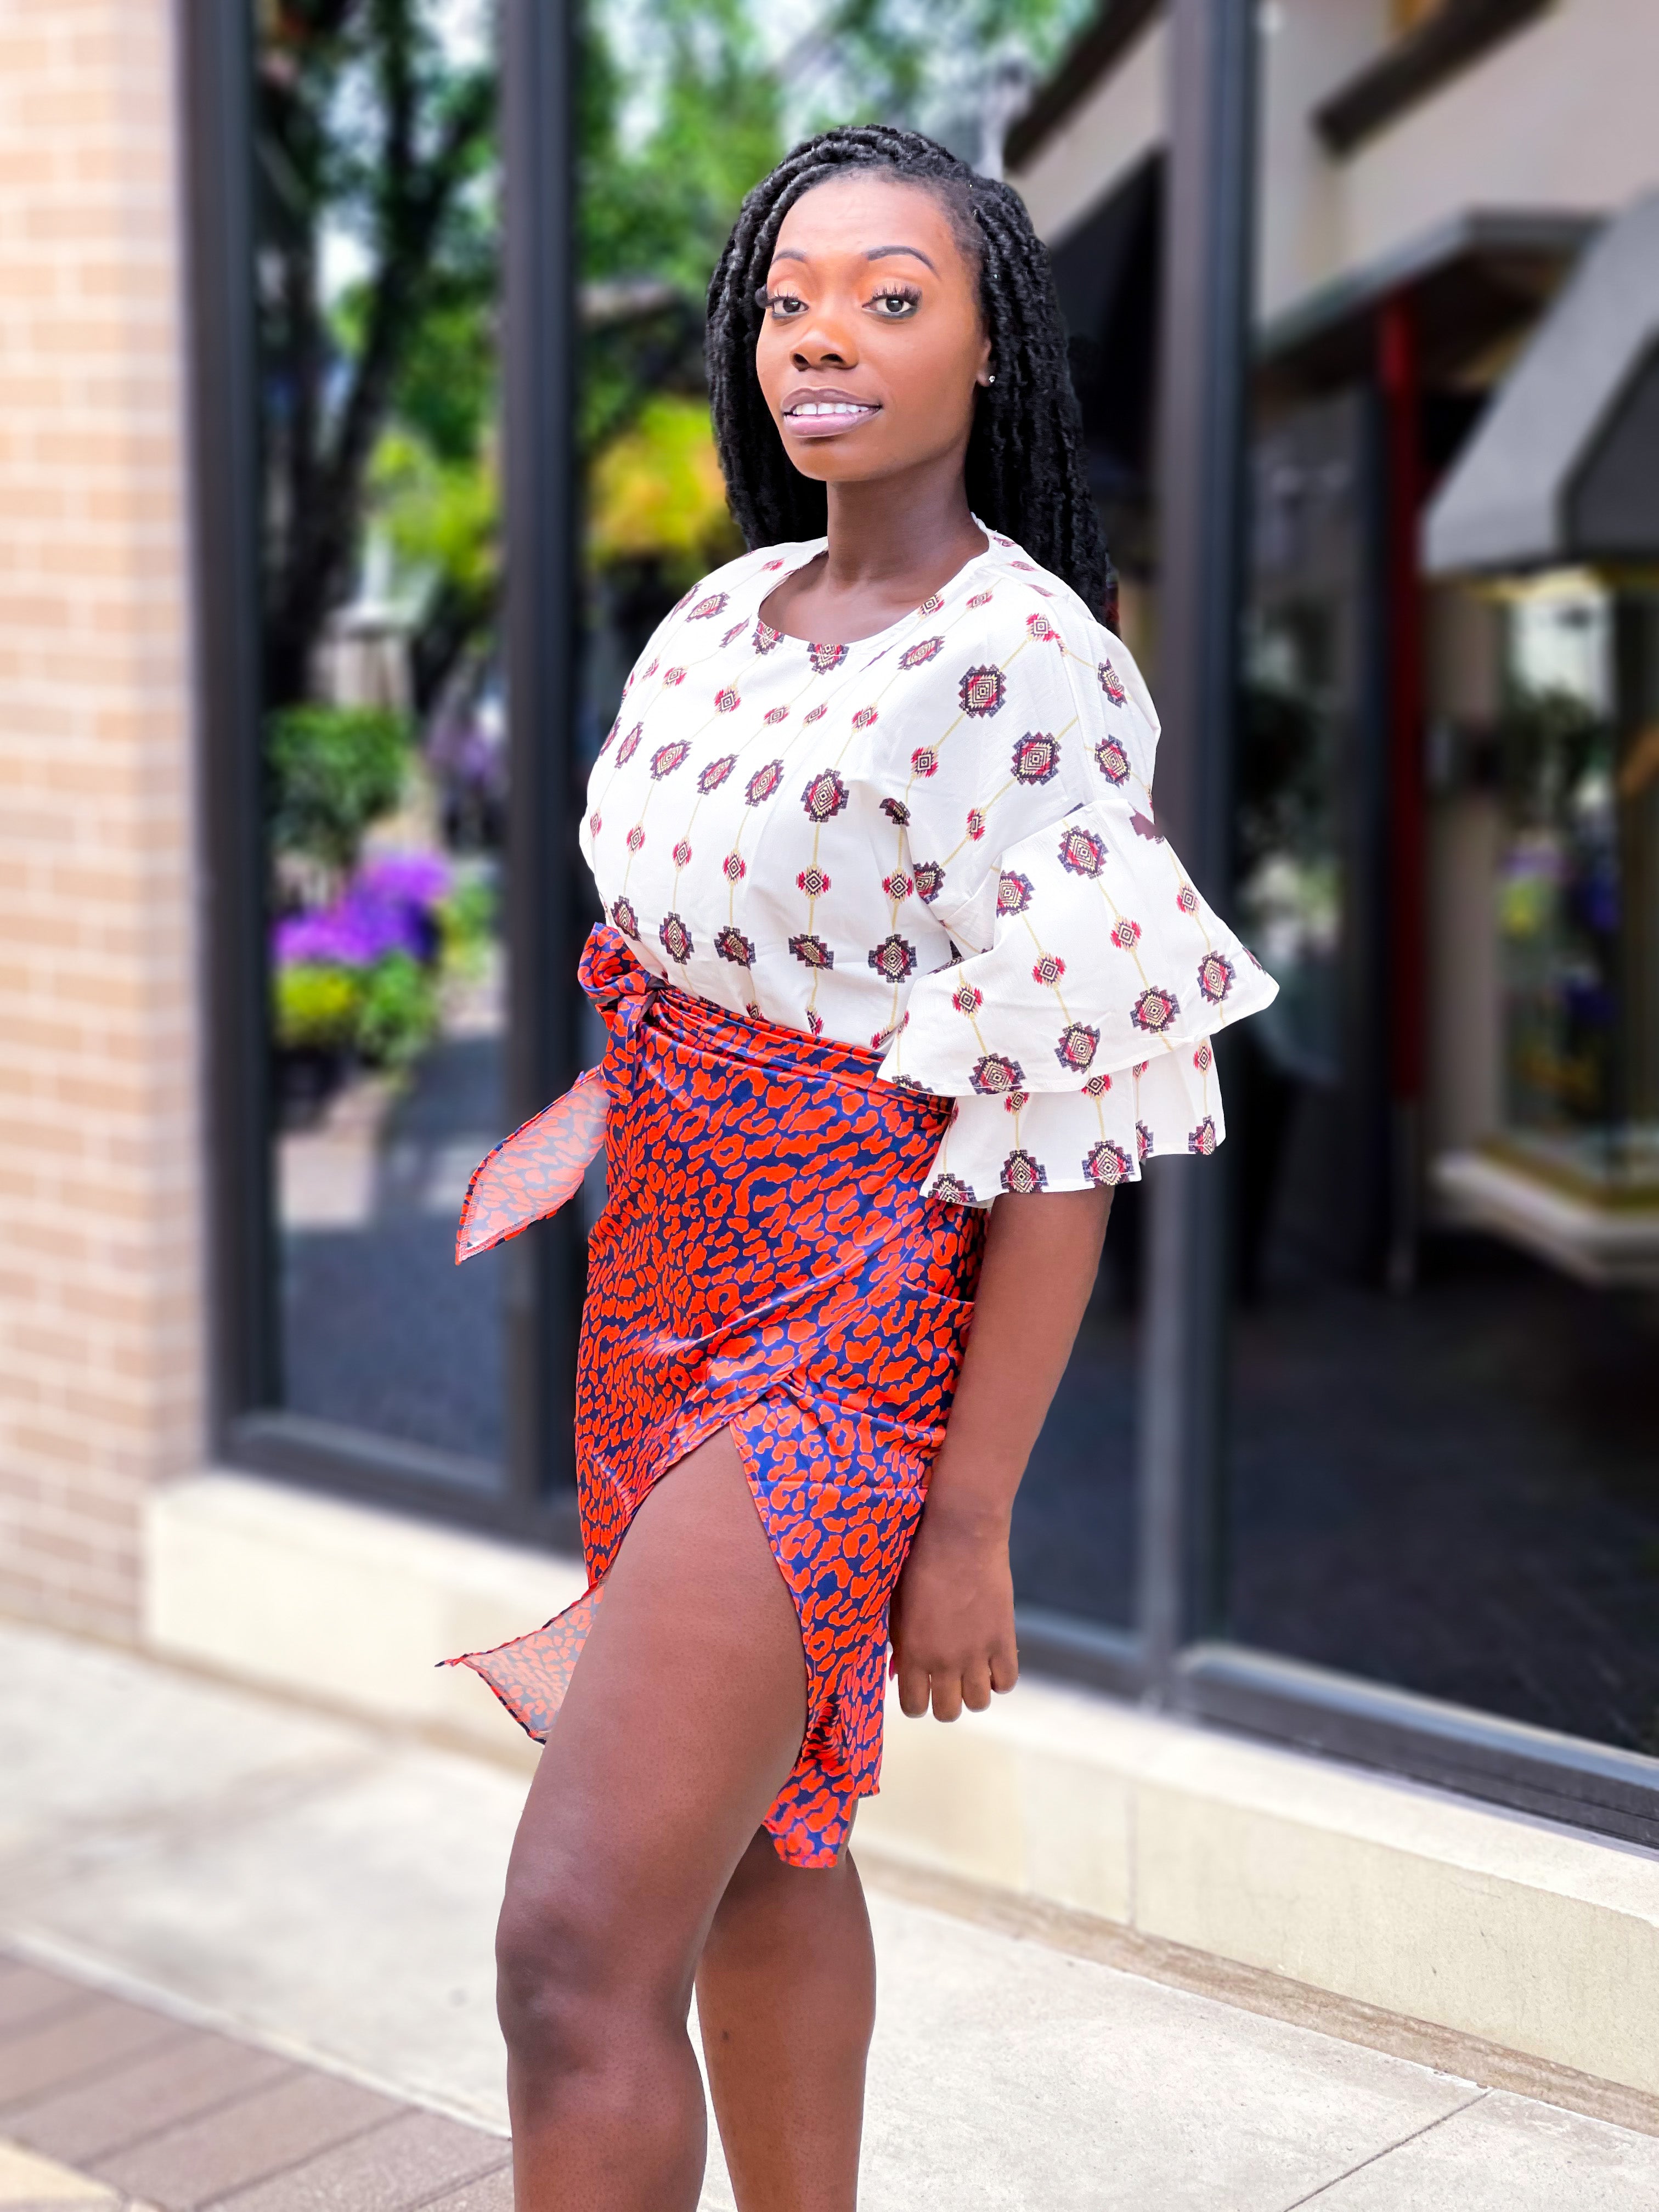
x,y
827,418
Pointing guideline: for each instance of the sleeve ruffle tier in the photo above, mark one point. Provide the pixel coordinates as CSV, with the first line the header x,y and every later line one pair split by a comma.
x,y
1074,1031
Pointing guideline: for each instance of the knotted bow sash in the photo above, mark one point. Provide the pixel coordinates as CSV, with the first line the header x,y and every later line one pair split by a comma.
x,y
533,1173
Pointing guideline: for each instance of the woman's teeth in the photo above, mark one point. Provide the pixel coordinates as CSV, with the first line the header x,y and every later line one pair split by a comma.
x,y
836,407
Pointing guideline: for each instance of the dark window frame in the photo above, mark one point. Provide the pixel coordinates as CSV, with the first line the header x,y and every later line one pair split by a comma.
x,y
248,1427
1170,1662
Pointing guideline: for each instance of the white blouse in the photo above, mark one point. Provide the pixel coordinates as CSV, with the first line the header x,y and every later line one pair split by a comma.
x,y
937,842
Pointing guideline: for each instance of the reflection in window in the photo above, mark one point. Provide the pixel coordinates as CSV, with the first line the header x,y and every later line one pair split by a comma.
x,y
1445,1485
1574,892
1288,882
378,265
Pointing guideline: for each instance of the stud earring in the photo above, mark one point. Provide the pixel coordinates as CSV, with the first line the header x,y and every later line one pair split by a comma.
x,y
992,377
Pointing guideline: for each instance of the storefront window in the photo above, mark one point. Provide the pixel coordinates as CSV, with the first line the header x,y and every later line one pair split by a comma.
x,y
387,798
1442,1441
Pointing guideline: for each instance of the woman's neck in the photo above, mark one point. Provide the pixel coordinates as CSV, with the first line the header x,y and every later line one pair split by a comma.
x,y
902,535
893,542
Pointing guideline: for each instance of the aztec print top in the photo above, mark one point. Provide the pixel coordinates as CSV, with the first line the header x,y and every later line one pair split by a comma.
x,y
937,842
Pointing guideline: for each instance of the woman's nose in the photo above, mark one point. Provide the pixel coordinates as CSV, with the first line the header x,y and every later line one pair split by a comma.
x,y
821,353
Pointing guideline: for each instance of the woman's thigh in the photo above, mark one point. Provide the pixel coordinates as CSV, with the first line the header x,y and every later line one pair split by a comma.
x,y
684,1717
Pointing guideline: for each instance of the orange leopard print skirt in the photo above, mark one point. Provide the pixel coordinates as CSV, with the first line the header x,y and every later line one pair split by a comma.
x,y
766,1263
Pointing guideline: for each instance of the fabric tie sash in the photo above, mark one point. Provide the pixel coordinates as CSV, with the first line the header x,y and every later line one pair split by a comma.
x,y
535,1170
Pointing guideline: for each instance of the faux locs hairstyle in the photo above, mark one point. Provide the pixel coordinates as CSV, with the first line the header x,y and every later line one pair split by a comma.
x,y
1025,469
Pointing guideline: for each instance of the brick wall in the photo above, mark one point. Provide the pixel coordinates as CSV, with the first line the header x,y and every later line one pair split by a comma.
x,y
100,1337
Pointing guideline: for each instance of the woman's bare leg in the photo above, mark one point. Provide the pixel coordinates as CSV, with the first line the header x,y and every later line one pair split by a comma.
x,y
683,1719
786,2001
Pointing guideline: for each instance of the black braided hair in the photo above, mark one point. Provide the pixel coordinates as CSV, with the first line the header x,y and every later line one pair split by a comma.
x,y
1026,475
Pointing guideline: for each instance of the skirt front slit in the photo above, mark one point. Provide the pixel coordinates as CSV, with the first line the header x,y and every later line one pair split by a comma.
x,y
766,1263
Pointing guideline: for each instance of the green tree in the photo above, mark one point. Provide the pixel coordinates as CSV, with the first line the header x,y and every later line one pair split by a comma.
x,y
920,62
657,202
374,138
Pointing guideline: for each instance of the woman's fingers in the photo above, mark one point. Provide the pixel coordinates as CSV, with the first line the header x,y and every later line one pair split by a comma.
x,y
947,1695
912,1689
951,1689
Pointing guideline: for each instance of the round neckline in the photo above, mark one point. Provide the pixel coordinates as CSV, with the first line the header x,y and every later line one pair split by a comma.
x,y
875,636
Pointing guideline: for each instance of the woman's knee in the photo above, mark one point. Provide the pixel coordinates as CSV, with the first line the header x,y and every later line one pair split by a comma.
x,y
557,1980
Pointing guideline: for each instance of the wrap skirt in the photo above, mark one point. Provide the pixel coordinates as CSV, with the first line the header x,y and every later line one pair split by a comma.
x,y
767,1263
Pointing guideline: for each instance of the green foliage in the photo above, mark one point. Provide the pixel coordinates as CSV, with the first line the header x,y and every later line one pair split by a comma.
x,y
376,147
387,1013
399,1011
916,61
441,516
656,203
379,134
1282,799
656,493
466,925
317,1006
1550,742
661,207
330,772
658,200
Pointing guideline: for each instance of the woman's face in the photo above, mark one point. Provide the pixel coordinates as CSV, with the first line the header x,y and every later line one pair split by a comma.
x,y
871,344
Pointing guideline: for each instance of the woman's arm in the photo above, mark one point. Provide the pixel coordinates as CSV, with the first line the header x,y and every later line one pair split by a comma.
x,y
953,1621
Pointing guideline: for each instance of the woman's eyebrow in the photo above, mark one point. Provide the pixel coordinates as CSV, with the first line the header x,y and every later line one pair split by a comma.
x,y
875,253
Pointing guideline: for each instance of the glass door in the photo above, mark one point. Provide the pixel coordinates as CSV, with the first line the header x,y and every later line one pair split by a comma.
x,y
387,792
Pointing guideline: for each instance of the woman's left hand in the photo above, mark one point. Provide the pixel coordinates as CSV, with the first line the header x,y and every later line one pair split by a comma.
x,y
952,1617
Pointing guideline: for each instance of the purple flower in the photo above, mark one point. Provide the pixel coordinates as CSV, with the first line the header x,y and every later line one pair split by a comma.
x,y
387,907
416,879
332,939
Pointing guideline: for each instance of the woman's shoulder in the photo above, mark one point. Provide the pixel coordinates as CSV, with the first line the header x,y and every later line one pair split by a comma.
x,y
1024,609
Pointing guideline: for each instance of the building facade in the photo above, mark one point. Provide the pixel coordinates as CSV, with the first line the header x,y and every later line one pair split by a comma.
x,y
1445,1222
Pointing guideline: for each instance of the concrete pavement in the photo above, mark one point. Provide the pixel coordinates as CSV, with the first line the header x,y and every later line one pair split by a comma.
x,y
328,1892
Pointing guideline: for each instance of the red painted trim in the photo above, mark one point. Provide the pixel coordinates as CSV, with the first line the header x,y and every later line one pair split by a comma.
x,y
1397,377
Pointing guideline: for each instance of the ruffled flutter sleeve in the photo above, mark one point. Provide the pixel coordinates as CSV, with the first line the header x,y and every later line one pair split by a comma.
x,y
1074,1030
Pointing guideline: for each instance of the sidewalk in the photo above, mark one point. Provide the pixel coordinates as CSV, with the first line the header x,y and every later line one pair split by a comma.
x,y
120,2107
308,1905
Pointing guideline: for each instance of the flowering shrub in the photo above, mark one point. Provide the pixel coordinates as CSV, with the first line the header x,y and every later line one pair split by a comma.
x,y
360,975
317,1008
391,905
399,1011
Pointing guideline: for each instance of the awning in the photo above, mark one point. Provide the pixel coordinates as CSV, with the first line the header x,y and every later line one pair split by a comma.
x,y
1472,279
1564,466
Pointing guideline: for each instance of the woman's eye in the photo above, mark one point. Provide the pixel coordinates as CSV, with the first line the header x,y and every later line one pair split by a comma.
x,y
782,305
894,307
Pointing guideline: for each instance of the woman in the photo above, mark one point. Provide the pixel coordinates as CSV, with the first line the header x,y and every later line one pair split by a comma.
x,y
901,980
